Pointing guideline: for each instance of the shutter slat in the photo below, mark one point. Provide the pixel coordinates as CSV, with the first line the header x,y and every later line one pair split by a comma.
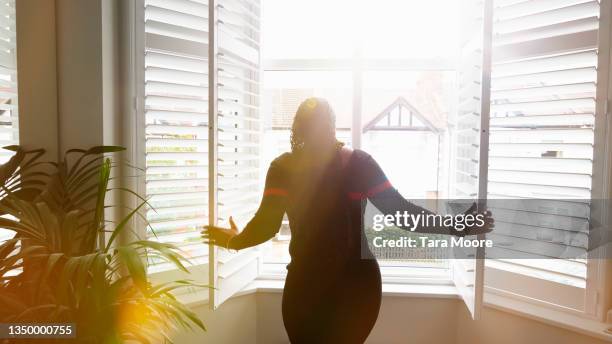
x,y
579,120
548,16
175,90
536,150
194,8
521,94
539,164
172,31
562,267
546,64
563,29
176,63
238,197
187,21
541,178
513,190
192,117
542,136
561,77
177,129
176,76
532,7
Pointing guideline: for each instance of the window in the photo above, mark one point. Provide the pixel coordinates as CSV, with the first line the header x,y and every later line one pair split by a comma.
x,y
499,102
9,129
377,83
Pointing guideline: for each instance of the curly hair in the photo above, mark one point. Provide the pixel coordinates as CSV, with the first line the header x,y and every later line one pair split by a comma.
x,y
310,110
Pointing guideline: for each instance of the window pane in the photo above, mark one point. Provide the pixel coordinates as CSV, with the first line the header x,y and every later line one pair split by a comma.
x,y
307,29
414,29
384,29
409,110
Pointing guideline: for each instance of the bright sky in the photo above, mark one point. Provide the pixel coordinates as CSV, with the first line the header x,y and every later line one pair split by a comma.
x,y
383,28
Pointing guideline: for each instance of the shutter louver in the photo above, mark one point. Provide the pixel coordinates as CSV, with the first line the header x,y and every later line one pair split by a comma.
x,y
542,117
9,125
176,116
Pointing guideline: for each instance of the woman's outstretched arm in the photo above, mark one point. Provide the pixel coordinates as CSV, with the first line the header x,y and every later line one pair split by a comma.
x,y
379,190
265,223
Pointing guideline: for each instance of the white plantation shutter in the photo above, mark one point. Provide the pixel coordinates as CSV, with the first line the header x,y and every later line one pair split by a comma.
x,y
471,140
544,78
176,124
201,110
237,137
9,125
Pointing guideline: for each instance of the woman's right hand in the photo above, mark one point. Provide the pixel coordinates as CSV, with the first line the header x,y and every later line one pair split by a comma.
x,y
220,236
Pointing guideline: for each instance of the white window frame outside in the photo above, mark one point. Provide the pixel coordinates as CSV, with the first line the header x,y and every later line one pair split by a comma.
x,y
358,66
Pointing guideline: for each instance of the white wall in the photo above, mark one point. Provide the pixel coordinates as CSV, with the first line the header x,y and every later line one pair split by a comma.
x,y
233,322
500,327
37,77
68,70
256,318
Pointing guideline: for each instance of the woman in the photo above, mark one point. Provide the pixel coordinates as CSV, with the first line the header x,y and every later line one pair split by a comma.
x,y
332,291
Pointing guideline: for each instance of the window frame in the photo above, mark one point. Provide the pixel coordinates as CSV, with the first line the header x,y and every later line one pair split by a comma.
x,y
359,65
596,270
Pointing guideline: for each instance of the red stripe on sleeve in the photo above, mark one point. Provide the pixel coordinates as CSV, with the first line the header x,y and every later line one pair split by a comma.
x,y
275,192
379,188
355,196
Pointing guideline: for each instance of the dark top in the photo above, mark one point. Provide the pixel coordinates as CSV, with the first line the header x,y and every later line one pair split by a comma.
x,y
325,208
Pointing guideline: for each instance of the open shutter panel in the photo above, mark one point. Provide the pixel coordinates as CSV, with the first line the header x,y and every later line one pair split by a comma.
x,y
176,128
238,137
9,126
544,78
471,140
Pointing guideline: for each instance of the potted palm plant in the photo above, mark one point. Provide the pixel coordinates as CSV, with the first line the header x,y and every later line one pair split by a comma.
x,y
65,262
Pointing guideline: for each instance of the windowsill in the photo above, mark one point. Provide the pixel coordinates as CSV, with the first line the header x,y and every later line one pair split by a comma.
x,y
550,316
389,289
520,308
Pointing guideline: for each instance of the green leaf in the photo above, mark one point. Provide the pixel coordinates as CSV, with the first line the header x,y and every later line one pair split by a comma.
x,y
122,226
167,251
136,267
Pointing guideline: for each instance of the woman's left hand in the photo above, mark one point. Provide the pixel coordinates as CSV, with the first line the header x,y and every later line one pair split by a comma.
x,y
220,236
487,226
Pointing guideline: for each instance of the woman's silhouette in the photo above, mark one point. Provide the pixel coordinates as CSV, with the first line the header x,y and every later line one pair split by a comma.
x,y
332,294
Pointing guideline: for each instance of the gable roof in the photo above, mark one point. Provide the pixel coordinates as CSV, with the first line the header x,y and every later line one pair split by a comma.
x,y
405,118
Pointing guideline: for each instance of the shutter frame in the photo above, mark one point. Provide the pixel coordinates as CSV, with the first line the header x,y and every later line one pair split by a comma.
x,y
238,132
471,144
524,135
